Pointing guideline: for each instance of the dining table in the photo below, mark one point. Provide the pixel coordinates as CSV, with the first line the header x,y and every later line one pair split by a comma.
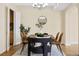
x,y
43,40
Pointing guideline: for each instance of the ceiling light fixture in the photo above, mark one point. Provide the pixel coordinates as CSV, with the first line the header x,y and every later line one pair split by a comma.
x,y
39,5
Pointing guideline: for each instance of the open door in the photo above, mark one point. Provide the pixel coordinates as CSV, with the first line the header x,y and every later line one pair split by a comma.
x,y
11,28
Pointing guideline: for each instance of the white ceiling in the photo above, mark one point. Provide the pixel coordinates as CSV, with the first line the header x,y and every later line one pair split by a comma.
x,y
59,6
56,6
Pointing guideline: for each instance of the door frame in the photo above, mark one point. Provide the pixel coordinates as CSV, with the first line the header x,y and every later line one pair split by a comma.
x,y
17,38
8,27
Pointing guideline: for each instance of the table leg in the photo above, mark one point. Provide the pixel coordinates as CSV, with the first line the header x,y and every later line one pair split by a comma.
x,y
45,52
28,49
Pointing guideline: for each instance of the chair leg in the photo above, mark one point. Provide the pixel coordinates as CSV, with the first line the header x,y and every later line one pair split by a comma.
x,y
57,46
61,49
22,48
50,53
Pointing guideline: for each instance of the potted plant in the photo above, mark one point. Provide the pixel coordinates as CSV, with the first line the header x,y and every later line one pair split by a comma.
x,y
39,34
23,29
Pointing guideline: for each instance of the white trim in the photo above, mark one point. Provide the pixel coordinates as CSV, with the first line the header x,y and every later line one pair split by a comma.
x,y
18,43
8,21
8,27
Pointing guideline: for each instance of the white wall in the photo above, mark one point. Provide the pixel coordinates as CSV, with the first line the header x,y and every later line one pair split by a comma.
x,y
30,18
63,26
71,25
78,24
17,38
2,28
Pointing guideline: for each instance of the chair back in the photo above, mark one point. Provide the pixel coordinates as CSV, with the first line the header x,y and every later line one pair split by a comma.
x,y
23,37
57,36
60,38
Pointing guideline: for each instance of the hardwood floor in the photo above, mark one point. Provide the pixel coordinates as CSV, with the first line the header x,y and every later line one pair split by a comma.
x,y
72,50
11,51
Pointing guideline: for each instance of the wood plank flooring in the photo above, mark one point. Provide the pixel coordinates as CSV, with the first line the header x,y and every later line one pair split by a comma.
x,y
72,50
11,51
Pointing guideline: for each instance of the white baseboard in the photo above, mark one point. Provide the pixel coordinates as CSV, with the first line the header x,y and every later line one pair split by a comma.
x,y
70,44
18,43
2,51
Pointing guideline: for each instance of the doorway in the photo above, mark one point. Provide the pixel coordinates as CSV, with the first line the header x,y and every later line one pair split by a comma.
x,y
11,28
